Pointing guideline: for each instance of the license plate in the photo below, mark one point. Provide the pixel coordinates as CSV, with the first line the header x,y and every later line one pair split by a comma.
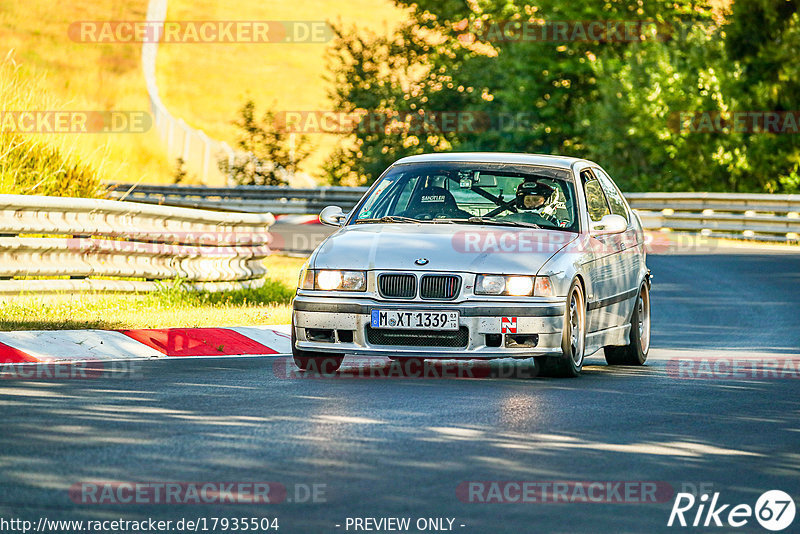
x,y
415,319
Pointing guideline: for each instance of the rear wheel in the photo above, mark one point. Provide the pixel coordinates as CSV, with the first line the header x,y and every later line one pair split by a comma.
x,y
635,353
573,339
315,362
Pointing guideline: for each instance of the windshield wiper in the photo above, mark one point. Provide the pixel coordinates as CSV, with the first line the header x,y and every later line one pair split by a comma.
x,y
485,220
471,220
390,219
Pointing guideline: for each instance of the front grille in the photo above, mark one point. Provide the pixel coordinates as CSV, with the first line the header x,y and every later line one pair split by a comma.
x,y
397,286
419,338
439,287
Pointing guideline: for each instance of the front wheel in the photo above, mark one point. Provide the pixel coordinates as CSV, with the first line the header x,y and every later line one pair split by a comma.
x,y
573,339
635,353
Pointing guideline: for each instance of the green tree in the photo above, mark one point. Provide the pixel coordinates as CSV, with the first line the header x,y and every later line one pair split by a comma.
x,y
634,125
616,101
269,155
763,37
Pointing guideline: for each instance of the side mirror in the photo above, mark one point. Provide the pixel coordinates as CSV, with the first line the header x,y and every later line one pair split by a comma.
x,y
332,216
608,225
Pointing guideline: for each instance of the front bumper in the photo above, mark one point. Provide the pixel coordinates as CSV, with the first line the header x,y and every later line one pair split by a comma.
x,y
349,318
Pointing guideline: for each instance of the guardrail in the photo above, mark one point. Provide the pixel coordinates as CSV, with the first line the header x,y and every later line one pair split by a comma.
x,y
250,198
53,244
733,215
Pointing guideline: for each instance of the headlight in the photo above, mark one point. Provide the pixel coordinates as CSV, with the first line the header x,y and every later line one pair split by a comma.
x,y
488,284
513,285
330,280
354,281
519,286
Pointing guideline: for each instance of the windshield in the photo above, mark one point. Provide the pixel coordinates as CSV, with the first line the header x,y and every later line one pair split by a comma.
x,y
517,195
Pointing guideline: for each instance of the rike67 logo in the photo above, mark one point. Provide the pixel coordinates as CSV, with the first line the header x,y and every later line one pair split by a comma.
x,y
774,510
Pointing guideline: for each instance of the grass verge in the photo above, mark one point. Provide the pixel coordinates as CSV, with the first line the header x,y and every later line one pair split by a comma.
x,y
169,307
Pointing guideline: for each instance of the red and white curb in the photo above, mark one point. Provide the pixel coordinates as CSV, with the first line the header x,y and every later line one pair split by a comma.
x,y
91,345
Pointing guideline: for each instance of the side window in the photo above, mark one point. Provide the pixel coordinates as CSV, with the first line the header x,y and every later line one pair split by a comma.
x,y
595,199
612,193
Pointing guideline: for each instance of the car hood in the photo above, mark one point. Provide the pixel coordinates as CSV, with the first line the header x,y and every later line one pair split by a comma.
x,y
447,247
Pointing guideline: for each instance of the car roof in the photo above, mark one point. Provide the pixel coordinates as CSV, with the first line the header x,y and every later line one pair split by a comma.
x,y
563,162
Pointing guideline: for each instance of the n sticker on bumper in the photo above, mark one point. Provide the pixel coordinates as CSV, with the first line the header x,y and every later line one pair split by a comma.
x,y
508,325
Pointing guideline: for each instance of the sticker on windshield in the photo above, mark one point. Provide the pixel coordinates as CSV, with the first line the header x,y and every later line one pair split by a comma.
x,y
432,198
366,210
465,183
382,187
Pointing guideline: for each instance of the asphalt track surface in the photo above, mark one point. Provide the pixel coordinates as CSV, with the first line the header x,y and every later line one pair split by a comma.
x,y
400,447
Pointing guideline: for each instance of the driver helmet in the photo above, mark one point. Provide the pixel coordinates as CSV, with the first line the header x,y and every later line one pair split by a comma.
x,y
533,195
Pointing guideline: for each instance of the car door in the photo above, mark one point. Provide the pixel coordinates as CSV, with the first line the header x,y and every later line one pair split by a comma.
x,y
606,275
630,257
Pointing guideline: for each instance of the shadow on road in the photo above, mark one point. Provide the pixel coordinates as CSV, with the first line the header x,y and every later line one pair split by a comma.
x,y
394,446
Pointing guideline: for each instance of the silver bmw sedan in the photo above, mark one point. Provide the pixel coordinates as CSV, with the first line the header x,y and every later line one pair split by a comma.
x,y
475,256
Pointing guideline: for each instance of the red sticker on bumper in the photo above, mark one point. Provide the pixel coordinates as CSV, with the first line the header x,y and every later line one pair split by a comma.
x,y
508,325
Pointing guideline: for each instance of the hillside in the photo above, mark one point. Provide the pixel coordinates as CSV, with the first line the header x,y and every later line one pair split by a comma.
x,y
207,84
204,84
77,76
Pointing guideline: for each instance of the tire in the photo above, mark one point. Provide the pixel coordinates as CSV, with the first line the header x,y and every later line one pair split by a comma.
x,y
315,362
573,339
635,353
